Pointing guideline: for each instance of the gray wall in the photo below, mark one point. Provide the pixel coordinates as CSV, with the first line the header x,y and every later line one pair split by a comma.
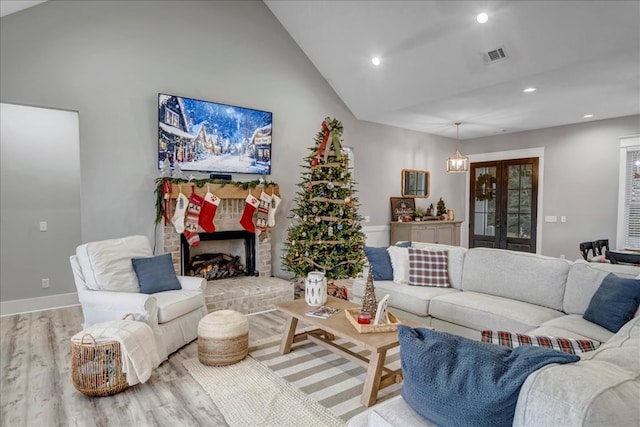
x,y
581,167
109,59
38,143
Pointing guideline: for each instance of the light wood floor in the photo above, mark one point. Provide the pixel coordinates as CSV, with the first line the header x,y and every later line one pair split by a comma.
x,y
36,386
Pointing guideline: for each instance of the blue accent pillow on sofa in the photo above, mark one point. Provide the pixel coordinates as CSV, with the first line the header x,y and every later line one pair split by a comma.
x,y
379,262
614,303
455,381
156,274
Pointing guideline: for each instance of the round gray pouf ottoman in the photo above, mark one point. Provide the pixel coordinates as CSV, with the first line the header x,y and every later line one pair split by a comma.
x,y
223,338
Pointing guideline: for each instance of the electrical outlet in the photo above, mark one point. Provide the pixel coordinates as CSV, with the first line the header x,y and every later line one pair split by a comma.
x,y
367,218
45,283
43,225
563,218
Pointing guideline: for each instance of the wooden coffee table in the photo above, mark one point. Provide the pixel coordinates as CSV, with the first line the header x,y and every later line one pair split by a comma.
x,y
339,326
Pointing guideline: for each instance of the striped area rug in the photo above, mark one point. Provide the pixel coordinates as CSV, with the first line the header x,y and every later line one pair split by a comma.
x,y
335,382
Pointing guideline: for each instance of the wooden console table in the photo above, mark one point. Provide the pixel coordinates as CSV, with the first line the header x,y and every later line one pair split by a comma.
x,y
442,232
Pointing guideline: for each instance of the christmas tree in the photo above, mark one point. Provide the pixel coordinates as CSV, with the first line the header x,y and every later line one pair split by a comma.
x,y
325,232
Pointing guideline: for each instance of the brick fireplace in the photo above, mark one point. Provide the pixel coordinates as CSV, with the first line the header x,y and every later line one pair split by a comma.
x,y
227,219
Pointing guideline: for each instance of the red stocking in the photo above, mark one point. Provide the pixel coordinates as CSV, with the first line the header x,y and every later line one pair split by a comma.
x,y
191,223
208,212
247,216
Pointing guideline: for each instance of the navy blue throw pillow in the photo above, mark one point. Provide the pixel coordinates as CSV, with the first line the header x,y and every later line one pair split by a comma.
x,y
455,381
379,262
614,303
156,274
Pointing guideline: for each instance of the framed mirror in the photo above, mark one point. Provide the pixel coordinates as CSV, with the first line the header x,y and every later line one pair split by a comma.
x,y
415,183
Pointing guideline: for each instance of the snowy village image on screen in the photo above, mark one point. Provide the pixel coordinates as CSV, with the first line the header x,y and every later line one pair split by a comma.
x,y
210,137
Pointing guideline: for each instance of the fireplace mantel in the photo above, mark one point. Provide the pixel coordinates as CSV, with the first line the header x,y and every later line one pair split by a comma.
x,y
228,191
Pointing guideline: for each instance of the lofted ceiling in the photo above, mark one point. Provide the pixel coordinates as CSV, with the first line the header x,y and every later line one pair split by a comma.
x,y
582,56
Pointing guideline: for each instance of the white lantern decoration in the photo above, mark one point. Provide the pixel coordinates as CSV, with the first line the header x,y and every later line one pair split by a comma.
x,y
315,288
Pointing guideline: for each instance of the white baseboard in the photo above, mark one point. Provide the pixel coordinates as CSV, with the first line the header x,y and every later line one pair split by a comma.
x,y
28,305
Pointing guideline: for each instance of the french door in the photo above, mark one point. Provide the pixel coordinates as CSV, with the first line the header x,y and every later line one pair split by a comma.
x,y
504,204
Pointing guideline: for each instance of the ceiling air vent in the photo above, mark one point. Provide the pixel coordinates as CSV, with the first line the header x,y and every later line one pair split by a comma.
x,y
499,54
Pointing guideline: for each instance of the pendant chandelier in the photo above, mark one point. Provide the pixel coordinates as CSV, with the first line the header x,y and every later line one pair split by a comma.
x,y
458,163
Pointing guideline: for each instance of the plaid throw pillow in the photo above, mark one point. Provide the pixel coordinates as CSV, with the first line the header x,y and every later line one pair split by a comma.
x,y
567,345
428,268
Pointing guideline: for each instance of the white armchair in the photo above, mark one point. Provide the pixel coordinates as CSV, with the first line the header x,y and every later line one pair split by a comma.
x,y
108,289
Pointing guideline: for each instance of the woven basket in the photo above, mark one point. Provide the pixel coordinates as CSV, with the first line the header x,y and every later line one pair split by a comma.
x,y
352,316
96,369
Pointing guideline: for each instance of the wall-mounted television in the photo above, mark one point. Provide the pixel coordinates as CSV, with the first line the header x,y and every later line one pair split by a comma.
x,y
206,136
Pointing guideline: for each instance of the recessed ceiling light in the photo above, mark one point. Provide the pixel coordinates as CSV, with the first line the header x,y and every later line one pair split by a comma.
x,y
588,116
529,89
482,18
375,60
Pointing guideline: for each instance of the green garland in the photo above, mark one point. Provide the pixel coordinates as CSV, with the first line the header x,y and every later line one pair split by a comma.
x,y
243,185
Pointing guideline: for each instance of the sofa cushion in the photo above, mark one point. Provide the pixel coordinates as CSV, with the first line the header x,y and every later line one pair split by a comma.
x,y
455,381
513,340
521,276
575,325
379,262
412,299
455,260
106,265
602,389
173,304
400,262
614,303
156,274
584,280
428,268
481,311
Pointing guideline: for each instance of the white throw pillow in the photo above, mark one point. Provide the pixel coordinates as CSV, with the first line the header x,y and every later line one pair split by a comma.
x,y
400,263
106,265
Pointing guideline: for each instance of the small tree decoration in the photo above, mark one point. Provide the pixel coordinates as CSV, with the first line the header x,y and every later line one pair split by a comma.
x,y
442,209
369,303
325,232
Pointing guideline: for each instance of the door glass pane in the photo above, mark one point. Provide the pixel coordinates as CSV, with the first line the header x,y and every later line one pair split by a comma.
x,y
513,225
519,201
485,202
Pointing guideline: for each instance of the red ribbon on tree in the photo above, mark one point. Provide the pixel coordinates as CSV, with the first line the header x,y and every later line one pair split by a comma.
x,y
323,144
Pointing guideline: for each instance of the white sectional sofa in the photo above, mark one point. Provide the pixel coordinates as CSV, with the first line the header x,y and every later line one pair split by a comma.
x,y
535,295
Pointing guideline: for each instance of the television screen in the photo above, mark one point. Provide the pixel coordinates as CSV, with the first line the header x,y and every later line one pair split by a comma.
x,y
210,137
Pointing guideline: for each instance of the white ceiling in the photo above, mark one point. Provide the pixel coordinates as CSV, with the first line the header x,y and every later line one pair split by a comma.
x,y
582,56
7,7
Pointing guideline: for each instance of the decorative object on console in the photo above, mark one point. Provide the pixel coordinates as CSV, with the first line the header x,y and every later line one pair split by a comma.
x,y
402,207
458,163
419,213
325,231
315,288
442,209
369,304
